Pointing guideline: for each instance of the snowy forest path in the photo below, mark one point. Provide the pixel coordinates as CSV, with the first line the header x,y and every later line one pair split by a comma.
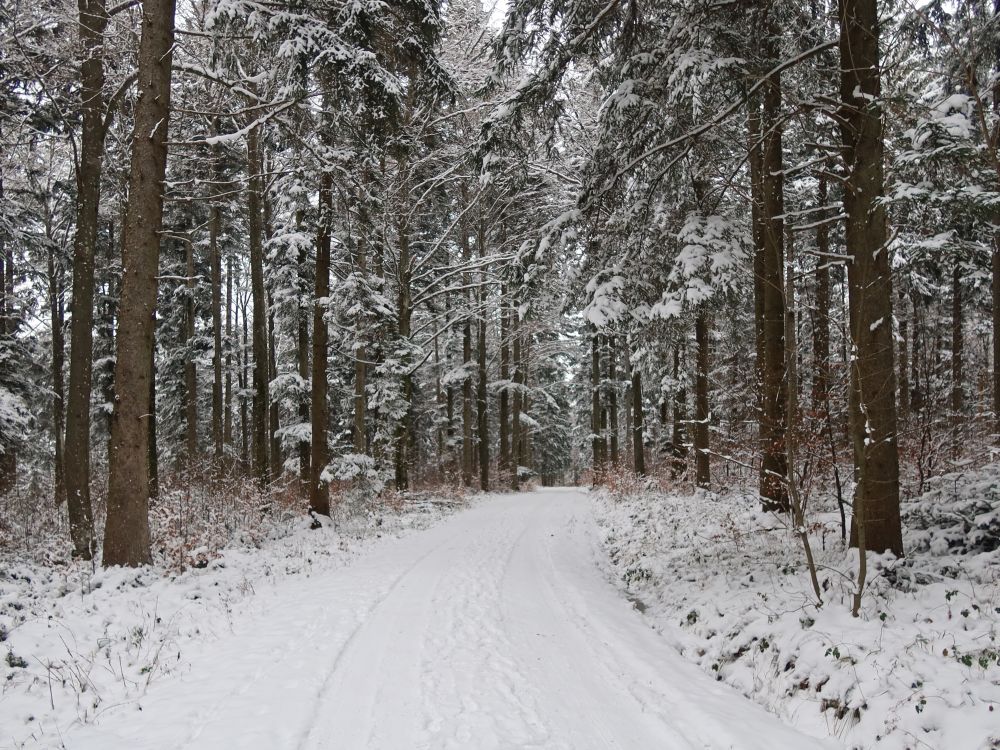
x,y
497,628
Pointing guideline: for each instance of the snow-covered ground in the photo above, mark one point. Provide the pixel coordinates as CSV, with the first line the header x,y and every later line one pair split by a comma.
x,y
496,628
918,669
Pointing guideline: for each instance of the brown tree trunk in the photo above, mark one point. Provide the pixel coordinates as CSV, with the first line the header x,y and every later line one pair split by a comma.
x,y
821,309
957,345
504,397
190,369
515,422
57,316
773,490
598,445
482,415
126,536
612,341
259,330
302,358
678,437
638,452
319,495
93,20
153,453
360,355
904,358
218,418
876,523
227,426
703,476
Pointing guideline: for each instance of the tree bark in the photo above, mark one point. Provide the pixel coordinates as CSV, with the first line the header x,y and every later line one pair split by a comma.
x,y
678,449
190,369
821,309
319,495
57,315
214,230
612,342
93,19
259,298
482,415
598,446
638,452
703,476
126,536
503,407
876,522
773,488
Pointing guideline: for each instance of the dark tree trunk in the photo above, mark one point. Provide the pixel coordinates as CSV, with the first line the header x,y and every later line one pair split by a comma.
x,y
126,536
218,418
302,359
153,453
904,358
57,316
876,523
821,309
93,19
612,341
319,495
517,406
703,477
773,490
227,427
957,345
504,397
678,437
482,415
599,447
259,298
638,453
190,369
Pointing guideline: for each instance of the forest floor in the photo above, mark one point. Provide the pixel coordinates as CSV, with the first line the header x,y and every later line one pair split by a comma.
x,y
727,584
497,627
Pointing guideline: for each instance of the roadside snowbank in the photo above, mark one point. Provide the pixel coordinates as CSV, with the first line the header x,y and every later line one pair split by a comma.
x,y
918,669
76,641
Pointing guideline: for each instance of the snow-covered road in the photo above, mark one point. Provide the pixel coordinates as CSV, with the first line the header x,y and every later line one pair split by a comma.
x,y
497,628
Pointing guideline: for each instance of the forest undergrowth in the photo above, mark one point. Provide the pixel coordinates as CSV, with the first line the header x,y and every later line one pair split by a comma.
x,y
77,640
727,583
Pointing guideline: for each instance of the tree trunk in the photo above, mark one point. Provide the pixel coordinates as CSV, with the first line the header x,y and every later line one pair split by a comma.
x,y
467,446
703,477
503,407
515,426
190,370
638,452
612,341
93,23
126,536
218,418
302,359
876,523
319,495
904,358
482,415
259,298
57,316
152,452
821,310
957,346
598,445
227,426
773,489
360,355
678,449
